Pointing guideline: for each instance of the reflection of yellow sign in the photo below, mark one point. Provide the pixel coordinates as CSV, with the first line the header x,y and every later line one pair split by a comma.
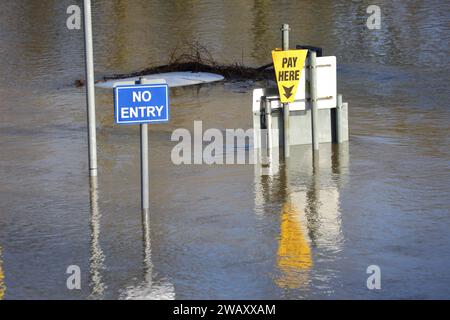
x,y
2,278
294,254
288,68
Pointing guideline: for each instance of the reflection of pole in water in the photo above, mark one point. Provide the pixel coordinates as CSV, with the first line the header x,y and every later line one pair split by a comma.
x,y
148,290
322,208
312,200
96,262
340,158
148,266
2,277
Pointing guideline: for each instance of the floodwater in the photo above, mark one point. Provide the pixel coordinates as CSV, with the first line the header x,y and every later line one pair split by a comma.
x,y
225,231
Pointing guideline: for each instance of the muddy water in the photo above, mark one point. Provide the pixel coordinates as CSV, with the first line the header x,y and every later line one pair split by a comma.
x,y
225,231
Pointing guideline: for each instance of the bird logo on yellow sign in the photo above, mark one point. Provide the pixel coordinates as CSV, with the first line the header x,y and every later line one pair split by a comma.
x,y
288,68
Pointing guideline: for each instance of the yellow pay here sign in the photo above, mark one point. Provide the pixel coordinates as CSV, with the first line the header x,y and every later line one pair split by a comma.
x,y
288,68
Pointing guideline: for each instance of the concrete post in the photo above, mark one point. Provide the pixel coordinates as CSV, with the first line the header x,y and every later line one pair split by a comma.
x,y
339,119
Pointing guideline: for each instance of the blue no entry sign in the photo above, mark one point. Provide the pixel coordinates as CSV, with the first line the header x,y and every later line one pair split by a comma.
x,y
146,103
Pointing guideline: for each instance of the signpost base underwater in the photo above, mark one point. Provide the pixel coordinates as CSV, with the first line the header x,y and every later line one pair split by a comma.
x,y
147,101
305,102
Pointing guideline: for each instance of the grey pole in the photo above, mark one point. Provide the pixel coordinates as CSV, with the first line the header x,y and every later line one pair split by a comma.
x,y
339,119
285,38
145,203
144,167
92,139
313,96
268,107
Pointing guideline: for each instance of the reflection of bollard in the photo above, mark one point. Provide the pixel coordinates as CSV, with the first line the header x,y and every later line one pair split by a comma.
x,y
313,96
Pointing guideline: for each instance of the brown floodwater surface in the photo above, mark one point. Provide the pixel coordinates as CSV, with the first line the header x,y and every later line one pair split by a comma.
x,y
225,231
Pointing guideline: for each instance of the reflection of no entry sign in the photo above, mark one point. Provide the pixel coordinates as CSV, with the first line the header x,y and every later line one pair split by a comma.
x,y
288,67
147,103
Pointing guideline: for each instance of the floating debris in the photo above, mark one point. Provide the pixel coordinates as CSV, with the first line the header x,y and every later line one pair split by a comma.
x,y
79,83
193,57
229,72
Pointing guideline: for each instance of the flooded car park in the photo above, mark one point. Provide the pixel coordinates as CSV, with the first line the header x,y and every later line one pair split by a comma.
x,y
224,231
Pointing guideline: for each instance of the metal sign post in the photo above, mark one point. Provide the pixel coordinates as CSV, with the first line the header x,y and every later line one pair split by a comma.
x,y
313,94
145,102
92,139
145,177
288,65
144,167
285,40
